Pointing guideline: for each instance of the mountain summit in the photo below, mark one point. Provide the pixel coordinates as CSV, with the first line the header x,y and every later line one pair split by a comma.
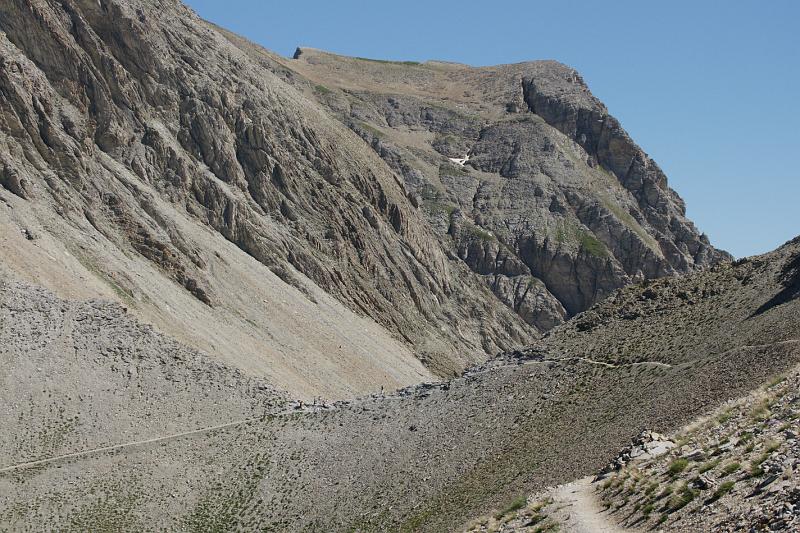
x,y
538,187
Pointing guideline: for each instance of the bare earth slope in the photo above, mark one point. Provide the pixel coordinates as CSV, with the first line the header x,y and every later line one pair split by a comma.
x,y
431,457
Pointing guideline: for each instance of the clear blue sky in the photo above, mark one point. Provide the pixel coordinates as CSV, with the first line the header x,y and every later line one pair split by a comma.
x,y
708,88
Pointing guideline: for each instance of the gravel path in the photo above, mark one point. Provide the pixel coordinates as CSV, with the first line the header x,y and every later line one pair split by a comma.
x,y
579,511
115,447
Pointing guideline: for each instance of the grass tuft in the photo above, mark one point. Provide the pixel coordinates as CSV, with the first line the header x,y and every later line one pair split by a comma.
x,y
721,491
677,466
513,507
730,469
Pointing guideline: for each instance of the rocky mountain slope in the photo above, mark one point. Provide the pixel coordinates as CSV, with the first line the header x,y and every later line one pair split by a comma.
x,y
300,219
734,469
539,189
83,375
202,244
144,153
429,458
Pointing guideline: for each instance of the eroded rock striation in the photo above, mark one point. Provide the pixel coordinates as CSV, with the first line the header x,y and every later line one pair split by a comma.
x,y
138,124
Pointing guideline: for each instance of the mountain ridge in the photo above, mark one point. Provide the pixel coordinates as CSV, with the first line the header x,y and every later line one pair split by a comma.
x,y
563,100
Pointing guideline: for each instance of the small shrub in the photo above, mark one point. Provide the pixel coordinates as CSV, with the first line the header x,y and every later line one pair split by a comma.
x,y
730,469
760,411
538,506
547,527
677,466
721,491
535,519
651,487
755,464
513,507
681,499
666,492
709,465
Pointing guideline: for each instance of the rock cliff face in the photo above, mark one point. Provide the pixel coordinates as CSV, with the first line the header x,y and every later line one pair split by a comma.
x,y
137,124
355,217
539,189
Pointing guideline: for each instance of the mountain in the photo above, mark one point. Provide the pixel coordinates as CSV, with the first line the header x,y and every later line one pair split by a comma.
x,y
301,227
655,355
240,291
539,189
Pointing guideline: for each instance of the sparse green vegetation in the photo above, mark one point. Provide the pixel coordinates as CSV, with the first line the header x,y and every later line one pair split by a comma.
x,y
708,465
666,492
721,491
593,246
512,507
730,469
755,465
548,526
724,417
369,129
569,231
429,192
451,169
681,499
480,233
626,218
677,466
321,89
745,438
760,411
437,208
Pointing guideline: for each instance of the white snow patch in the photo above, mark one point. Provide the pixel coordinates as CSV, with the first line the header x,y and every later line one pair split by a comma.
x,y
459,160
